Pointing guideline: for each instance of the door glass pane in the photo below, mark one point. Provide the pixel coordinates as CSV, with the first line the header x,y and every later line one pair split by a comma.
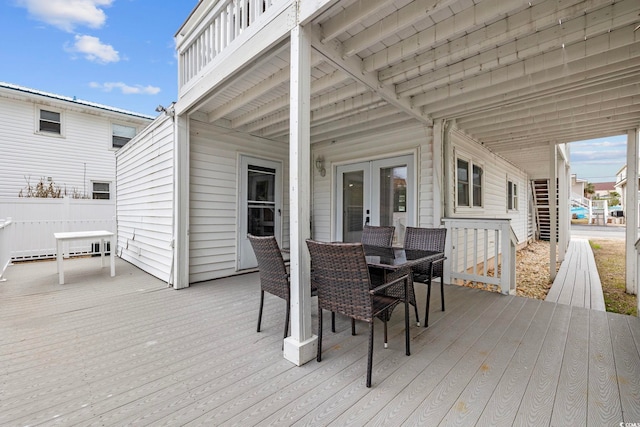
x,y
261,200
353,206
393,200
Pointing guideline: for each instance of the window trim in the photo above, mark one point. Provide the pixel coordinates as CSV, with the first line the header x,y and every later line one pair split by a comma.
x,y
512,197
94,192
38,112
470,185
111,135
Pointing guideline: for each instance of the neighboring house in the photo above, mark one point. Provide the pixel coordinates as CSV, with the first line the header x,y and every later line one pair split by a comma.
x,y
621,187
61,140
603,190
311,118
578,186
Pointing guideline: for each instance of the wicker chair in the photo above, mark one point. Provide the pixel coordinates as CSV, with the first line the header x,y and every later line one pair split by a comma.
x,y
341,274
378,235
427,239
274,277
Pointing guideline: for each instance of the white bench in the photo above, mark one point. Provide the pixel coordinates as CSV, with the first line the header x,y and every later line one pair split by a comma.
x,y
85,235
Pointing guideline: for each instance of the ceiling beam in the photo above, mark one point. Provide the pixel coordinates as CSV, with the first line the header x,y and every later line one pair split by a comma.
x,y
499,34
570,32
605,116
546,70
415,11
321,108
332,51
453,27
621,96
350,16
282,102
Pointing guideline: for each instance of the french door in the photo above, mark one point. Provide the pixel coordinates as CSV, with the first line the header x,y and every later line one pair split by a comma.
x,y
260,205
378,192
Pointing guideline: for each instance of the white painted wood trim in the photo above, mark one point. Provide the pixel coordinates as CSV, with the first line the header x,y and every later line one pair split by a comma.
x,y
298,347
632,211
181,203
553,218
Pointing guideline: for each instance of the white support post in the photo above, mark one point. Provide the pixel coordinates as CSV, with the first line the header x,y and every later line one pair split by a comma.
x,y
507,262
563,209
302,345
631,211
181,202
553,218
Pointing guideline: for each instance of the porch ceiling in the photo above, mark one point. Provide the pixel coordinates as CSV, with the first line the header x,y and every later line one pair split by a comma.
x,y
514,75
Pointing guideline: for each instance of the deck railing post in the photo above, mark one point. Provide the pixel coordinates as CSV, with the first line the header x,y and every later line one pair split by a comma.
x,y
5,246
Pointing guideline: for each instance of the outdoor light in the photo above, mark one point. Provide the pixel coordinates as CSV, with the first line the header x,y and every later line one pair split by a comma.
x,y
320,166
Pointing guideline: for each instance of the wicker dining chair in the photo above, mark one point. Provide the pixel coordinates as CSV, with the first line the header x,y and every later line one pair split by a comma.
x,y
427,239
378,235
341,274
274,277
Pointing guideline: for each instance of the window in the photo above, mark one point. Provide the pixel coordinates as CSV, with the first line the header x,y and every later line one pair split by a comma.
x,y
121,135
468,183
50,122
101,191
512,196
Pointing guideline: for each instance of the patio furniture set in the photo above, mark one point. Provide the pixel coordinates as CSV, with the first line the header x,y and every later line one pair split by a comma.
x,y
362,281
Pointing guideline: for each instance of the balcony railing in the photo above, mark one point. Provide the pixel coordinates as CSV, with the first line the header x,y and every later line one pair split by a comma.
x,y
226,20
5,248
481,251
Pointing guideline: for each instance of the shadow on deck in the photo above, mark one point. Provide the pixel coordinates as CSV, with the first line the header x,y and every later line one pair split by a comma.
x,y
129,350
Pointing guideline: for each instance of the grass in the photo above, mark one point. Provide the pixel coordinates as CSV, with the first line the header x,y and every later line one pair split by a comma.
x,y
610,260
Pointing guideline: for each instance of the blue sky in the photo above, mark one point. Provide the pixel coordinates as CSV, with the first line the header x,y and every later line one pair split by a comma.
x,y
119,53
598,160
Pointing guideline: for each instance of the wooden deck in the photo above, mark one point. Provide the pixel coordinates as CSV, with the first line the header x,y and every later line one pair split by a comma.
x,y
578,282
128,350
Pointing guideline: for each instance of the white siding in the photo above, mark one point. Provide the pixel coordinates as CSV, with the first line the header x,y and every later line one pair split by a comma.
x,y
214,196
496,173
81,155
144,201
410,139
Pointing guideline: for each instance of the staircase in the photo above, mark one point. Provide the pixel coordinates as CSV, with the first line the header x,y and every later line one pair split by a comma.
x,y
540,191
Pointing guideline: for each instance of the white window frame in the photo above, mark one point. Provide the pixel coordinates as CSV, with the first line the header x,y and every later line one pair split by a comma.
x,y
471,163
94,192
111,145
38,111
512,196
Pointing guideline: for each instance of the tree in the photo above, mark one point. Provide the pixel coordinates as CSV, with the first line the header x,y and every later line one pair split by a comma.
x,y
589,190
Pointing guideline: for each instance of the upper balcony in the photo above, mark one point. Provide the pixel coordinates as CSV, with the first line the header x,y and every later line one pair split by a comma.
x,y
216,28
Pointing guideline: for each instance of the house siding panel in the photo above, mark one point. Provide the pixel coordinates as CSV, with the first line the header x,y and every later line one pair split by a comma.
x,y
412,138
213,230
496,172
81,155
144,202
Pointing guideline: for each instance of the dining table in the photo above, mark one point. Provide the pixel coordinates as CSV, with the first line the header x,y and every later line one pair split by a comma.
x,y
396,258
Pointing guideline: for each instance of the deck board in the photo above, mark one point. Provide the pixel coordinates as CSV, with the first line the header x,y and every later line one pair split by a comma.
x,y
537,403
570,405
627,370
604,398
127,350
578,282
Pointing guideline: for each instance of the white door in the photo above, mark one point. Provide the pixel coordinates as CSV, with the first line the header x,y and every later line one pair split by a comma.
x,y
260,205
378,192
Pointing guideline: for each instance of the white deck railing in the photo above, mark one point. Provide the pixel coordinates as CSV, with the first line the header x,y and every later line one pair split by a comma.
x,y
222,25
6,238
37,240
481,251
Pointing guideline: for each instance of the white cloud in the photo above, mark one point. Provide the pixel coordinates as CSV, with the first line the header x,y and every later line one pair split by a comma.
x,y
94,50
125,88
67,14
